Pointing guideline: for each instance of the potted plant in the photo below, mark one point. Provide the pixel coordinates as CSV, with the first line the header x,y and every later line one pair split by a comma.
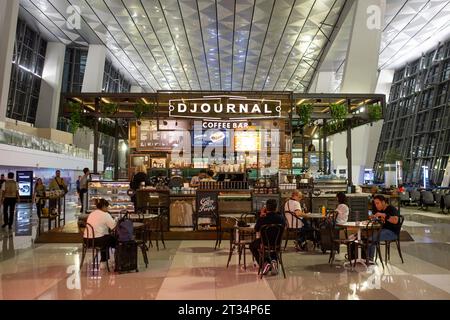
x,y
375,112
75,109
304,112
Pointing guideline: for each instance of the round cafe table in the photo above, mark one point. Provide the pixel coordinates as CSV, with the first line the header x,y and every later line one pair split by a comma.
x,y
359,226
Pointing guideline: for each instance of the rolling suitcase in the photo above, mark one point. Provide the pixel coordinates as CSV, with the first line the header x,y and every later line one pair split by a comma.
x,y
126,256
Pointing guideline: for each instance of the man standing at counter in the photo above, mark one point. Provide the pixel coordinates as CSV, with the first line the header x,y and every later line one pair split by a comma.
x,y
195,181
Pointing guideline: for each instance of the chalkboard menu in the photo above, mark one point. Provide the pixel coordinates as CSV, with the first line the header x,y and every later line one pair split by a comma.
x,y
207,204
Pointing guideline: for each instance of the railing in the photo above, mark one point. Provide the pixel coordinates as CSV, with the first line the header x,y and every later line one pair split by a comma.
x,y
19,139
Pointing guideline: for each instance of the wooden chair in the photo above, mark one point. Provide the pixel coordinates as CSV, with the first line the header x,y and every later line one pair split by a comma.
x,y
225,225
332,237
292,226
154,225
372,236
387,243
89,243
240,240
271,238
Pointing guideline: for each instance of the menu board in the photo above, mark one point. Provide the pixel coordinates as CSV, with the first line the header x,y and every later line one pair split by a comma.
x,y
207,203
150,138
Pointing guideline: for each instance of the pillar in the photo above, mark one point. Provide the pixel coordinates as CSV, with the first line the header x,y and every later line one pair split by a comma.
x,y
361,64
9,13
50,93
95,69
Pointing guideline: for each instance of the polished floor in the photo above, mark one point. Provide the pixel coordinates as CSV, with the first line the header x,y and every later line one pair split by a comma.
x,y
194,270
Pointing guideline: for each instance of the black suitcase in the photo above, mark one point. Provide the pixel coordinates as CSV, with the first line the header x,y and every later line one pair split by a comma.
x,y
126,256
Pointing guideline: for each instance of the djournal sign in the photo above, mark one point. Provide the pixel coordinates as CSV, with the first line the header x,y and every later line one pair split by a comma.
x,y
225,107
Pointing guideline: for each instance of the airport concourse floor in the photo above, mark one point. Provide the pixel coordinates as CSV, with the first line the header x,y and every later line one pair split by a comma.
x,y
194,270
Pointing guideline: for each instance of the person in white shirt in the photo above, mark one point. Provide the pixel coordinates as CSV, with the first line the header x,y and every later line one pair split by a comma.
x,y
101,221
294,214
342,208
293,210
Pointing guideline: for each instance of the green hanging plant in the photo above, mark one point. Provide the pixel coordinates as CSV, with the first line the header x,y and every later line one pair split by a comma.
x,y
142,108
76,110
338,111
304,112
375,112
109,109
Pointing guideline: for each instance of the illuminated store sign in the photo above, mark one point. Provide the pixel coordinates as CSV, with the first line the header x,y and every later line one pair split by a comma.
x,y
225,107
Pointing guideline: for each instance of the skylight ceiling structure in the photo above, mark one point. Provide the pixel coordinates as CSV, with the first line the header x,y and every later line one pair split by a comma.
x,y
199,44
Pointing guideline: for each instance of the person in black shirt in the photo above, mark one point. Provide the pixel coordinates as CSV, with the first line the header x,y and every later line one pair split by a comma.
x,y
271,217
139,178
389,217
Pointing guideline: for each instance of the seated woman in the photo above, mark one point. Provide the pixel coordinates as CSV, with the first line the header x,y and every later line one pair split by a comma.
x,y
342,208
101,221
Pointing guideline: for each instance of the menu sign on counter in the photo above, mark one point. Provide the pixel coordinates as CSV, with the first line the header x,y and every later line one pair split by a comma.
x,y
25,181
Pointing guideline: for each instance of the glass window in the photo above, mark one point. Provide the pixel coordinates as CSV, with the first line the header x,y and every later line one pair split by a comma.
x,y
27,68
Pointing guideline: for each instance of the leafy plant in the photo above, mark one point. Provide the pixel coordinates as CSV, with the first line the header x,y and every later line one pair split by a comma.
x,y
338,111
142,108
109,109
304,112
76,110
375,112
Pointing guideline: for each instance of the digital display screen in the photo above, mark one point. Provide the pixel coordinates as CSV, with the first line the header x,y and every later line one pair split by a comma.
x,y
25,181
211,138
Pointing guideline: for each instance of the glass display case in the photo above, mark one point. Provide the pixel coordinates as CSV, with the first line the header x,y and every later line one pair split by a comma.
x,y
113,191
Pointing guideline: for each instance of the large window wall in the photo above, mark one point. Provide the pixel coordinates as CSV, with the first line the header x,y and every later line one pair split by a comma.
x,y
114,81
74,68
26,73
417,121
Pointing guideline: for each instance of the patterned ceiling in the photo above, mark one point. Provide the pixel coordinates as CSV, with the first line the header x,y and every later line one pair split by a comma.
x,y
411,27
408,24
199,44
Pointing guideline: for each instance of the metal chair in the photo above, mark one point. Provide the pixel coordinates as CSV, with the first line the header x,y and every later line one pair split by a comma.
x,y
415,197
89,243
404,198
427,200
387,243
271,238
447,203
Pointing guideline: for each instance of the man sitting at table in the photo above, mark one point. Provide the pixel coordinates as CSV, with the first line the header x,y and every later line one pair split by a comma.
x,y
294,218
388,215
271,217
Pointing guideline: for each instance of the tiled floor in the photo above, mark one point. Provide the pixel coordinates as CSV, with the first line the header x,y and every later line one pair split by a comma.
x,y
193,270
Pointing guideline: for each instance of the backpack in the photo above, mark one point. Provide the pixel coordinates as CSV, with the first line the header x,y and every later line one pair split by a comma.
x,y
125,230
